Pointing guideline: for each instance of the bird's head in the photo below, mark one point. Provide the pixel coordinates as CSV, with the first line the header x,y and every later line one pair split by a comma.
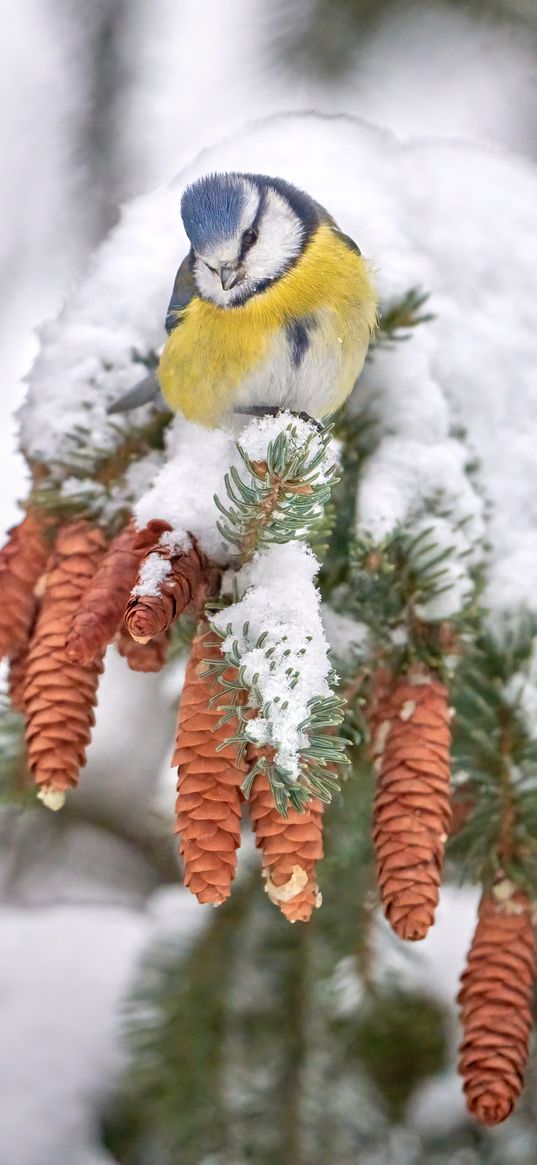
x,y
246,230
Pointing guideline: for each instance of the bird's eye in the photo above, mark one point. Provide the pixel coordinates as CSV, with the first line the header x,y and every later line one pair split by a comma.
x,y
249,237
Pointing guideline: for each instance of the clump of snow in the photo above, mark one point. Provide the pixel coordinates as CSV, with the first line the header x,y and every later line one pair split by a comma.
x,y
153,572
280,604
96,348
301,436
183,492
404,477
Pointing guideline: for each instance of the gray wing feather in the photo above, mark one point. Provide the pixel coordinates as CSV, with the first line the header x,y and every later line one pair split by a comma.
x,y
143,393
326,217
184,290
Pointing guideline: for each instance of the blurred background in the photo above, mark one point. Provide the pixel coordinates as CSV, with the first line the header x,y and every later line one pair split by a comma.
x,y
99,103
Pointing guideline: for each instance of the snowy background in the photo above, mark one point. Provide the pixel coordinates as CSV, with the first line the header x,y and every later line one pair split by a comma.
x,y
102,103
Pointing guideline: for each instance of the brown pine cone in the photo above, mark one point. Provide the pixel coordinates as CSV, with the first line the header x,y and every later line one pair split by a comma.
x,y
17,679
190,580
209,786
22,562
103,604
495,998
143,657
409,718
59,694
290,848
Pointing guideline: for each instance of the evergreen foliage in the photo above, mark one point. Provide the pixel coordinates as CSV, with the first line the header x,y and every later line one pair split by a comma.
x,y
280,499
15,788
495,750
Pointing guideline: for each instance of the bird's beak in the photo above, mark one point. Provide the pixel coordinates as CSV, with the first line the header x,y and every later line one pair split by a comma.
x,y
229,275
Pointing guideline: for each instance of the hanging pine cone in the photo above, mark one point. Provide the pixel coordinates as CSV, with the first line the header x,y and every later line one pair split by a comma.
x,y
290,848
143,657
495,999
103,603
17,679
189,580
409,718
59,695
209,795
22,562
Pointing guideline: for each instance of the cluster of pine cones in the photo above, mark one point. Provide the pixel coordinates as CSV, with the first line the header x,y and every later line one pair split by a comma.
x,y
67,592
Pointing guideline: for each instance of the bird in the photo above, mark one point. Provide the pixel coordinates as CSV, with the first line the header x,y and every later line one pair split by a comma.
x,y
272,309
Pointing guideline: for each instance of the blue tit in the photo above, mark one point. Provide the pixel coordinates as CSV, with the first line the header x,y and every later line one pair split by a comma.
x,y
273,308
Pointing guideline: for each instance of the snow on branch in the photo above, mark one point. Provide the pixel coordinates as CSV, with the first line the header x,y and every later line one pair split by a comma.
x,y
274,636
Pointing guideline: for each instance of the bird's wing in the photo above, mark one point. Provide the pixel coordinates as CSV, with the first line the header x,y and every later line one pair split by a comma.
x,y
142,393
326,217
184,290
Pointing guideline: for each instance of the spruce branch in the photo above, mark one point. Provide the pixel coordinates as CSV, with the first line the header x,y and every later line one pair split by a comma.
x,y
496,753
393,587
282,497
399,318
88,482
278,499
323,754
15,784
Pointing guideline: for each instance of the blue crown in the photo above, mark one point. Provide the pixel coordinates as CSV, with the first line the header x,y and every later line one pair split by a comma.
x,y
212,207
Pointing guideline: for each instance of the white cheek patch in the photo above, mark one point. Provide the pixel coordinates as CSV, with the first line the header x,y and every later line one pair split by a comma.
x,y
251,207
281,237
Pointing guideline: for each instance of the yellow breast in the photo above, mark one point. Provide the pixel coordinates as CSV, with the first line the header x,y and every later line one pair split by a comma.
x,y
213,349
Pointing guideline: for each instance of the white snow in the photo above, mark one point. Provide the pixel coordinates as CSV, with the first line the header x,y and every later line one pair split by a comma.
x,y
290,668
153,572
183,492
302,436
